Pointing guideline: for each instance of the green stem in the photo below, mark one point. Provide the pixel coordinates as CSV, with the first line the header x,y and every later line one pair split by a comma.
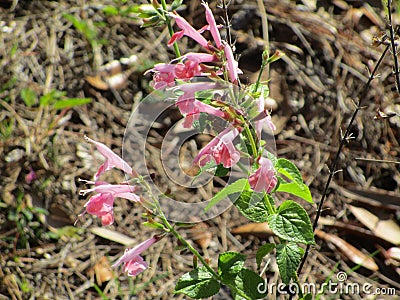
x,y
170,29
171,229
249,137
296,279
263,65
270,208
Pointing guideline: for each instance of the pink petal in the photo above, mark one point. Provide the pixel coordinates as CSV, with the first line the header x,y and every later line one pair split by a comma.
x,y
107,219
264,178
131,254
232,64
188,30
31,176
135,266
112,160
221,149
212,26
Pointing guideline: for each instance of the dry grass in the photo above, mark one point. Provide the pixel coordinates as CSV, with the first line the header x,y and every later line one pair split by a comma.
x,y
314,85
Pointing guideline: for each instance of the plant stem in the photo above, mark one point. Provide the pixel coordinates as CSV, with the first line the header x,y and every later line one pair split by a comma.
x,y
296,278
250,137
343,141
172,230
265,57
270,208
170,29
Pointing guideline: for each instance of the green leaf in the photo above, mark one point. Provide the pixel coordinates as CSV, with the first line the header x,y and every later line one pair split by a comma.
x,y
288,257
229,265
307,297
175,4
197,284
201,123
71,102
237,187
221,171
288,169
300,190
297,186
154,225
251,284
292,223
110,10
51,97
252,206
262,251
29,96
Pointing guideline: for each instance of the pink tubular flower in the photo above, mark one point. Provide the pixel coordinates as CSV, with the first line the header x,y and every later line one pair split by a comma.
x,y
212,26
221,149
231,64
31,176
263,118
101,204
112,160
164,75
190,107
133,262
187,30
264,178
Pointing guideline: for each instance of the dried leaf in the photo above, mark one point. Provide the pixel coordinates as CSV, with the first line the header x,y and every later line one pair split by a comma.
x,y
113,236
201,235
386,229
112,75
103,271
394,253
350,251
256,229
97,82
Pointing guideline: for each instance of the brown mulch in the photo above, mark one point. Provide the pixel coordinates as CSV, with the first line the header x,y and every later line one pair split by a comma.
x,y
316,85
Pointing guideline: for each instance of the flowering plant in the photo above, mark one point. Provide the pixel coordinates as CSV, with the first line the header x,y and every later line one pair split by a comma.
x,y
206,89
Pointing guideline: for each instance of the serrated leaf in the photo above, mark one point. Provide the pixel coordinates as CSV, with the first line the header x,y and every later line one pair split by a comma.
x,y
297,189
71,102
251,284
237,187
292,223
264,250
197,284
288,257
288,169
229,265
252,206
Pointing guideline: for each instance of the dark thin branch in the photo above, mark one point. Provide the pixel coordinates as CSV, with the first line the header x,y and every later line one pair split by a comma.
x,y
227,22
393,44
343,141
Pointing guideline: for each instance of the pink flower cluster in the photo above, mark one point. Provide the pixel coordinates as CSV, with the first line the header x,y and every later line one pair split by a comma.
x,y
102,204
221,149
193,64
